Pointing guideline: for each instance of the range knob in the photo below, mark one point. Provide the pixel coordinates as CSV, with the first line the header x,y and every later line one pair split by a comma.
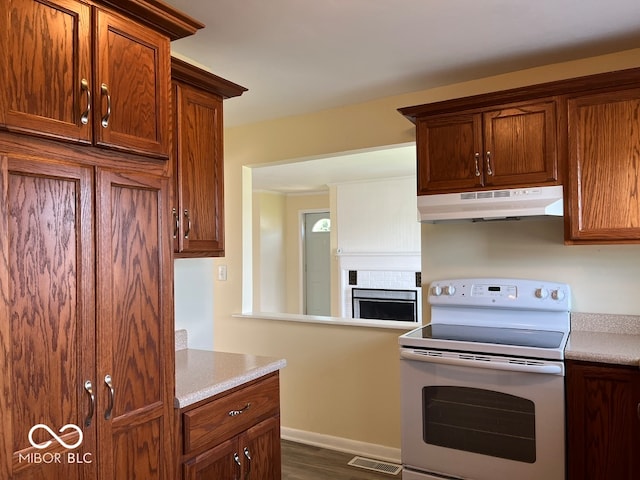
x,y
436,290
449,290
557,294
541,293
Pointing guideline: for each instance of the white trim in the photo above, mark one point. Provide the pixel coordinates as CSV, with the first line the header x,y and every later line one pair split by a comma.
x,y
340,444
352,322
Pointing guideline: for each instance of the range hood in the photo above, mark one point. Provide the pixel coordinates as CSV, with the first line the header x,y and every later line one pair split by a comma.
x,y
506,204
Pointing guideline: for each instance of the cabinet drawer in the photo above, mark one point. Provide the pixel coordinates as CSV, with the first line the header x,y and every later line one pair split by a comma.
x,y
226,416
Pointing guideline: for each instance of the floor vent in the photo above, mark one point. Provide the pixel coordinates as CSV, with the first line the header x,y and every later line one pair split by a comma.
x,y
375,465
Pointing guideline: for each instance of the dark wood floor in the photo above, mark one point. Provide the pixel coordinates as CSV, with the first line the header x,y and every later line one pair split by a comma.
x,y
304,462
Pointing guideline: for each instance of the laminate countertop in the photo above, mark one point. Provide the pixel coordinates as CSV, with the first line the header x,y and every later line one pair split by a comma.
x,y
604,338
201,374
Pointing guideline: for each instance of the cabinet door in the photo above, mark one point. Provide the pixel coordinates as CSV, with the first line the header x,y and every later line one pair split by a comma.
x,y
134,327
220,462
604,166
44,64
47,312
260,451
602,422
449,153
133,85
520,146
199,172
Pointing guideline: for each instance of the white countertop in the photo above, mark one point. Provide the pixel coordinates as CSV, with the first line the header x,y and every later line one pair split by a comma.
x,y
604,338
201,374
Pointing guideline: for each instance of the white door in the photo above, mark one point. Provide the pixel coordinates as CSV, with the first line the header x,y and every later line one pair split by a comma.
x,y
317,276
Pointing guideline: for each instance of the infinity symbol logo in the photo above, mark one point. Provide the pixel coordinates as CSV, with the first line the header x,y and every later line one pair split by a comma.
x,y
56,437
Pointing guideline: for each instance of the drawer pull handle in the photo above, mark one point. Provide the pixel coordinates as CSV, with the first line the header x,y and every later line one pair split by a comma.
x,y
104,89
235,413
638,411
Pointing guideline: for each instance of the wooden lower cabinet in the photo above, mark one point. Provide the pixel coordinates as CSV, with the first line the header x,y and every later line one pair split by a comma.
x,y
234,435
86,330
603,421
253,455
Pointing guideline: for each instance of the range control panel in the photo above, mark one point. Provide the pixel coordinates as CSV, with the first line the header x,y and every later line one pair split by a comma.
x,y
501,293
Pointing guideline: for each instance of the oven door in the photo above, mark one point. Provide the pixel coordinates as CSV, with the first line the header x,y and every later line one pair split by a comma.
x,y
480,417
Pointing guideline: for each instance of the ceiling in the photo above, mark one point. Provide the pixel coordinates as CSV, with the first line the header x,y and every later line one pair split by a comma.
x,y
302,56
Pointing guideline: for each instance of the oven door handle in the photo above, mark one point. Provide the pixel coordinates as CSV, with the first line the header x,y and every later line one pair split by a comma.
x,y
549,369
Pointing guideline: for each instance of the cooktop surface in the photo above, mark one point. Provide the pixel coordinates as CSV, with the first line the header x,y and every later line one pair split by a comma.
x,y
491,335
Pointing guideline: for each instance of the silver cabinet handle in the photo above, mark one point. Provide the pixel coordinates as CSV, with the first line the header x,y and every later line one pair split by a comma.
x,y
638,411
236,459
176,222
84,116
477,162
186,215
104,90
247,455
92,402
489,170
107,413
235,413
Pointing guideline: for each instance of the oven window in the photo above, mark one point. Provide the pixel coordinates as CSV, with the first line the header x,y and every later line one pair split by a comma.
x,y
480,421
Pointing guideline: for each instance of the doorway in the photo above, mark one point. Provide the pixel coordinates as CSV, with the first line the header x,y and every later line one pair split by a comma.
x,y
316,263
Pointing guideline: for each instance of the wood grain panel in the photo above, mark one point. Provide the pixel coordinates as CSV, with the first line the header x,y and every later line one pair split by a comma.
x,y
604,158
522,145
135,326
260,447
134,63
603,426
447,148
211,422
200,171
49,310
45,57
214,463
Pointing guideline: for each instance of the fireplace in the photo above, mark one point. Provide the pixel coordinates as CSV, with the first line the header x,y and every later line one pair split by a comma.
x,y
385,304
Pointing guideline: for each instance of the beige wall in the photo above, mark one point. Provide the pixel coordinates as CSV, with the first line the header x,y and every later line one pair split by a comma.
x,y
343,381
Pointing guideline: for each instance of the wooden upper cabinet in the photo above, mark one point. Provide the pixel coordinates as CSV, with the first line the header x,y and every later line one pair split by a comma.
x,y
198,160
508,147
49,87
604,167
520,145
132,86
448,149
46,68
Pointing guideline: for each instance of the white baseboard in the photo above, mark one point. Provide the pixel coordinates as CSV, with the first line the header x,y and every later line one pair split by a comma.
x,y
370,450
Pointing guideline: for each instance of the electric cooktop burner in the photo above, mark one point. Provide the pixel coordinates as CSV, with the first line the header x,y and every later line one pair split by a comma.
x,y
493,335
